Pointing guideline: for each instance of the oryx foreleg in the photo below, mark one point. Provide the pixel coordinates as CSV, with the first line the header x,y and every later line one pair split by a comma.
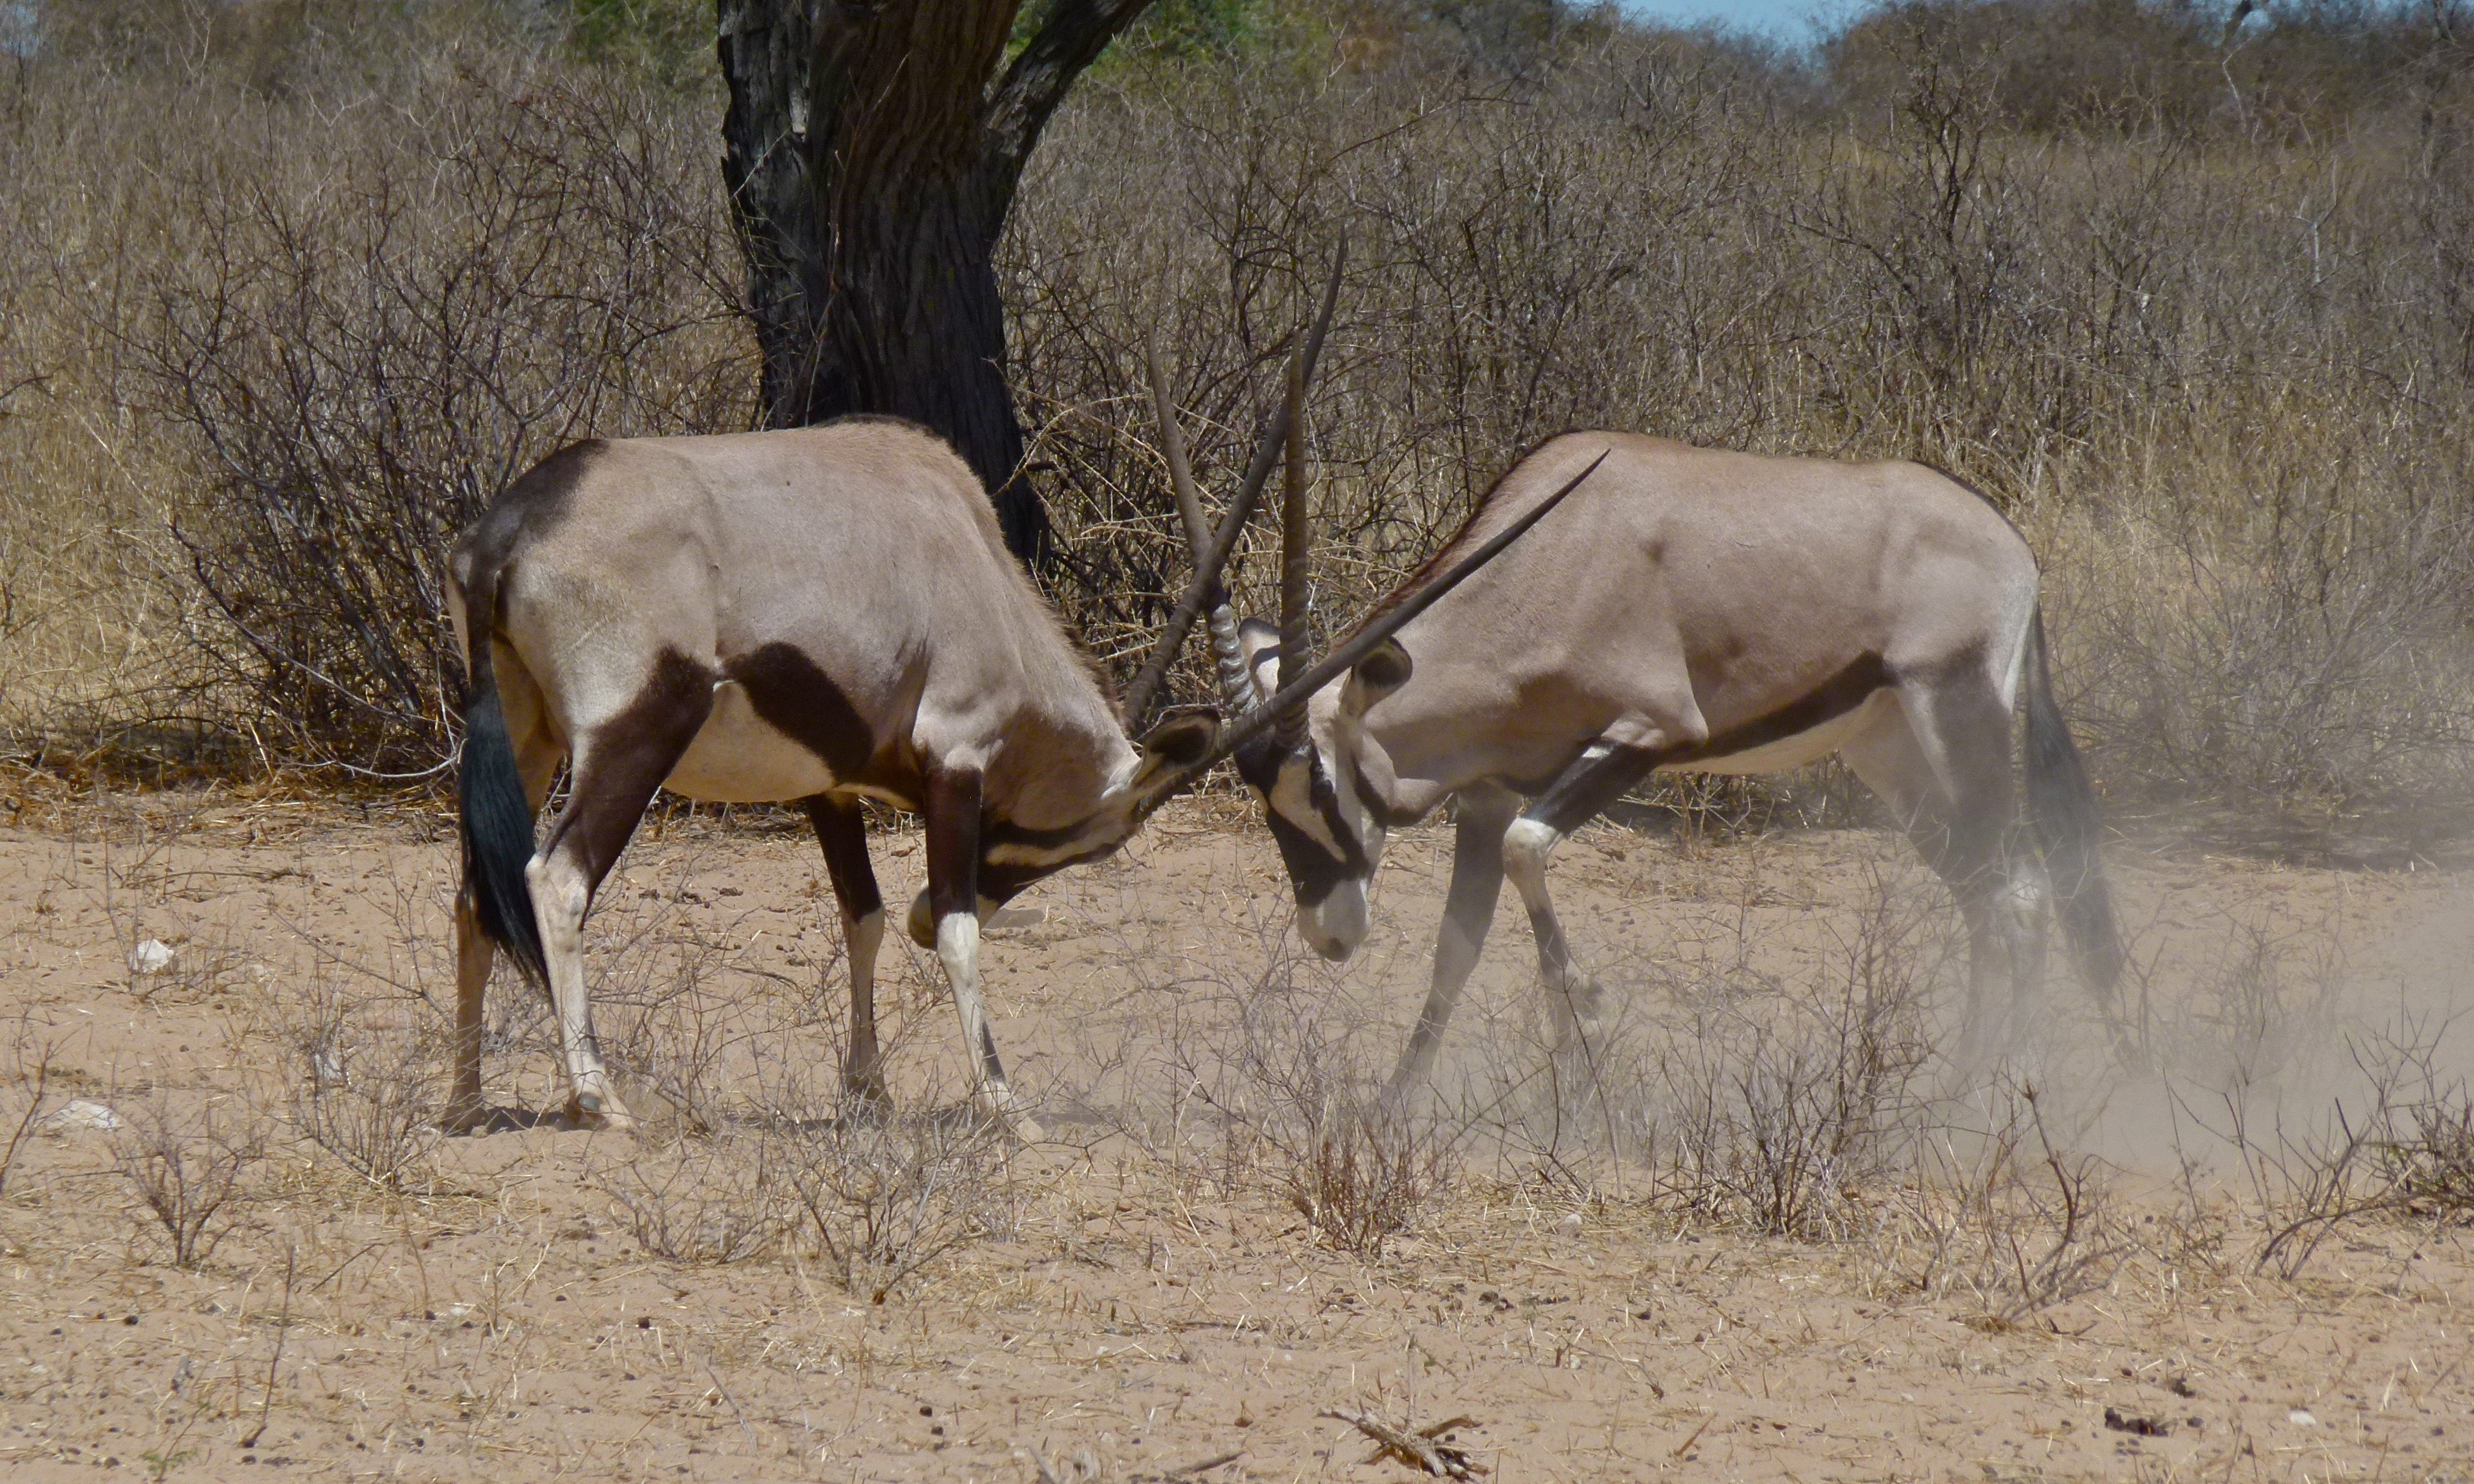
x,y
842,829
1604,774
954,903
1485,811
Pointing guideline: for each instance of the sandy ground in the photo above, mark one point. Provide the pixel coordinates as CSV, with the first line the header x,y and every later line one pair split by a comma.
x,y
1138,1298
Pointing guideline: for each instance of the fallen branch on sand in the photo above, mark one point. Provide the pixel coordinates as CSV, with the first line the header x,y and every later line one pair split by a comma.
x,y
1419,1450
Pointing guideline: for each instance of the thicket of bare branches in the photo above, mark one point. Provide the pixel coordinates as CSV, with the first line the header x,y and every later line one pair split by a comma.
x,y
2196,308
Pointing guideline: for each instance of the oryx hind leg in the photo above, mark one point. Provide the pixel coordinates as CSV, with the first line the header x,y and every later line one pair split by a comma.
x,y
1941,761
620,761
954,803
842,829
1485,812
1605,773
538,752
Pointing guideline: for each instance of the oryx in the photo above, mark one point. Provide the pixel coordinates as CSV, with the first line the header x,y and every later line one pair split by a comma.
x,y
1699,612
823,615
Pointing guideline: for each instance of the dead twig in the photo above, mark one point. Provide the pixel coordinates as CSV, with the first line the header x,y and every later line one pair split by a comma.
x,y
1420,1450
282,1327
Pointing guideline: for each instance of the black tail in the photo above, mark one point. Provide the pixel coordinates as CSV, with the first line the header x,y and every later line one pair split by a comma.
x,y
2061,809
496,815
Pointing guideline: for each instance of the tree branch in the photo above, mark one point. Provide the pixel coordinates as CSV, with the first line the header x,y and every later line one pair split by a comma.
x,y
1072,37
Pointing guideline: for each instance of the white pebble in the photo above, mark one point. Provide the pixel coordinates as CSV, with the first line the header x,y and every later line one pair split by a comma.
x,y
79,1114
151,957
2301,1419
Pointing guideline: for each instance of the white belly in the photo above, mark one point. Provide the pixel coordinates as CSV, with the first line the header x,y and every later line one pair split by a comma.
x,y
1805,748
739,757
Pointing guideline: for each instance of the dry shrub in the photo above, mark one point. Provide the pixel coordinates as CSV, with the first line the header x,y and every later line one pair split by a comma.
x,y
1776,1103
2260,1000
2429,1160
1370,1175
702,1201
2004,1217
312,346
1284,1067
28,1082
2174,356
370,1080
365,350
877,1203
2395,1145
189,1170
2206,333
884,1199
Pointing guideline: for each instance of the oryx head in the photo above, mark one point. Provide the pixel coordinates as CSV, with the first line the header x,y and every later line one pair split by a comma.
x,y
1312,781
1297,727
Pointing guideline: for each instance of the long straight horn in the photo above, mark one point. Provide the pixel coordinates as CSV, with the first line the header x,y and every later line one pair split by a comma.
x,y
1297,560
1208,566
1236,688
1294,693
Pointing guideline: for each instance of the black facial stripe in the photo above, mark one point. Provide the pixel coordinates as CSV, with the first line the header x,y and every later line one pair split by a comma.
x,y
1001,881
1314,871
1327,803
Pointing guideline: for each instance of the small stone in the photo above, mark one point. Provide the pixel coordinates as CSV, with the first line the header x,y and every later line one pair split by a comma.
x,y
80,1115
150,957
1569,1226
2301,1419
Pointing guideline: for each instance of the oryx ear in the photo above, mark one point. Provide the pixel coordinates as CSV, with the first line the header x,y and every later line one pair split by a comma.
x,y
1261,643
1383,670
1180,741
1169,752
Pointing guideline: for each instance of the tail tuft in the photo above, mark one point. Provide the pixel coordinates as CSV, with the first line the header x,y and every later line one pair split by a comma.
x,y
2062,811
496,817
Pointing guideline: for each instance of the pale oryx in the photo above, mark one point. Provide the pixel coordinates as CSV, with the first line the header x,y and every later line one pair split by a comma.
x,y
1699,612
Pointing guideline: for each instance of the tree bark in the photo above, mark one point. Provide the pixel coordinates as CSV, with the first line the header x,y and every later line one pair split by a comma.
x,y
871,151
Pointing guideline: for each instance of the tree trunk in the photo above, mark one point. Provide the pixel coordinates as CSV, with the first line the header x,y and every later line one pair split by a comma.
x,y
871,153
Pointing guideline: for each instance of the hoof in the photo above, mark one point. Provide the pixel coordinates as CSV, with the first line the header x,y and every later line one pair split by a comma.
x,y
599,1110
999,1109
1578,1016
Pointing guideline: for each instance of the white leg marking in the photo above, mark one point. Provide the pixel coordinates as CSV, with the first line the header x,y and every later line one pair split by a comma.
x,y
1526,845
957,948
559,903
1571,999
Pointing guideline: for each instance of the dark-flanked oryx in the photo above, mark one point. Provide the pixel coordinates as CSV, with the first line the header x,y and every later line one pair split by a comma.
x,y
1697,612
825,614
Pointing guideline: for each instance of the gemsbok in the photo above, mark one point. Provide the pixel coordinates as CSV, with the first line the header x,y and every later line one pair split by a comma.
x,y
1701,611
823,615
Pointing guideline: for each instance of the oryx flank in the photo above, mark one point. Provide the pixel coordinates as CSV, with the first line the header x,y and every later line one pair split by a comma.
x,y
825,614
1696,611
